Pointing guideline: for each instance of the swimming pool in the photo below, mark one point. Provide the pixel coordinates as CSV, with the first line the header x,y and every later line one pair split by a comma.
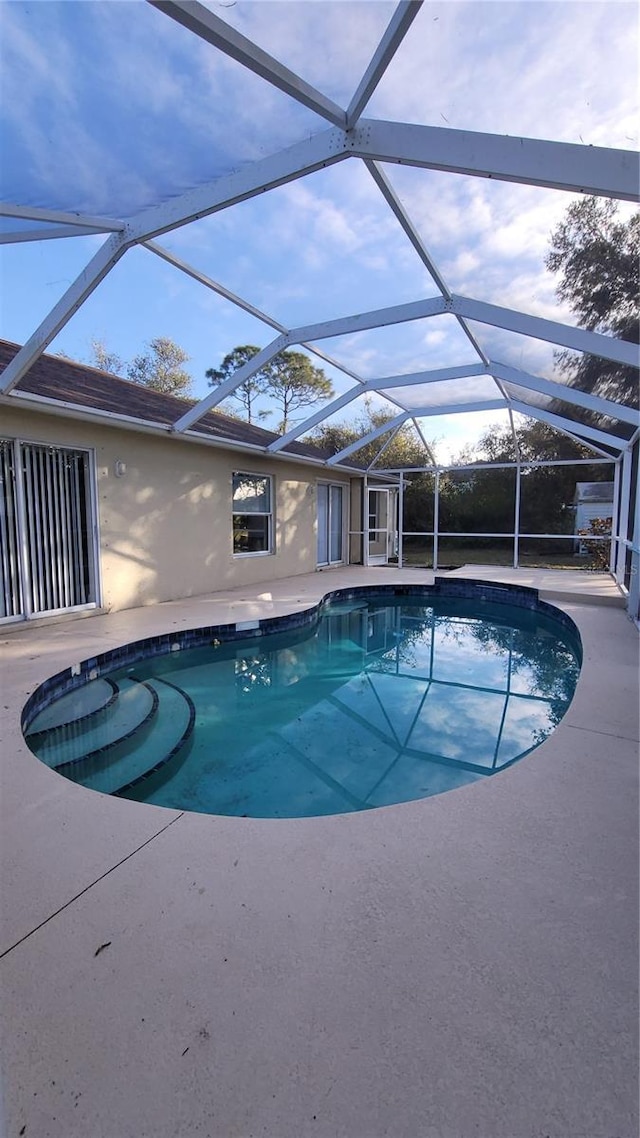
x,y
374,697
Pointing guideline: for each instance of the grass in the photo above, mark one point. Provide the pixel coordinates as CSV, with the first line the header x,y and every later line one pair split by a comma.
x,y
454,558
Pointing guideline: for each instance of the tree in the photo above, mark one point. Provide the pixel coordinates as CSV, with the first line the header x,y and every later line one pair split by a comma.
x,y
249,391
485,499
102,358
596,255
293,382
290,380
403,450
536,442
161,368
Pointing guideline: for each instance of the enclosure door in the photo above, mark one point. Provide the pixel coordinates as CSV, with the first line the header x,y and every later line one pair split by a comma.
x,y
330,524
47,561
379,526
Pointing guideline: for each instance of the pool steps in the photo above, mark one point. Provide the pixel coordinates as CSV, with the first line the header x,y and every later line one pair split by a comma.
x,y
114,752
74,740
122,743
77,705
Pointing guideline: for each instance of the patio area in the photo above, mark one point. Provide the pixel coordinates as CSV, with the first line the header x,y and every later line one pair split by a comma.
x,y
465,965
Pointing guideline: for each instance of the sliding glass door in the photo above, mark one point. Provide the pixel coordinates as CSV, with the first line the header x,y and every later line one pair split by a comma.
x,y
330,523
47,552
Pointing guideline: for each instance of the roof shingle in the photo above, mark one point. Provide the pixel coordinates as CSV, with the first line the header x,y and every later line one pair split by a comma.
x,y
88,388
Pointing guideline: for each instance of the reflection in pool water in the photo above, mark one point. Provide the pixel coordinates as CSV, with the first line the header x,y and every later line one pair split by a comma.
x,y
381,701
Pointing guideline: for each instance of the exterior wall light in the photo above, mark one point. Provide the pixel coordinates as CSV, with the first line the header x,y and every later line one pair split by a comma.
x,y
119,468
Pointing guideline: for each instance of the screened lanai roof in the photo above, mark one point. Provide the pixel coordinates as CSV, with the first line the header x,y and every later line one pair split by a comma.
x,y
319,175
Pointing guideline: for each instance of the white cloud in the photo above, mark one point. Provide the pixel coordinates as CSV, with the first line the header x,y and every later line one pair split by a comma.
x,y
434,338
517,67
329,44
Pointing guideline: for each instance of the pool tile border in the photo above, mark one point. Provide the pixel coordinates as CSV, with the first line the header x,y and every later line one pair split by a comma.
x,y
460,588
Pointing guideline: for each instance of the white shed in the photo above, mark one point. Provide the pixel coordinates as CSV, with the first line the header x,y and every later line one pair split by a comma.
x,y
592,500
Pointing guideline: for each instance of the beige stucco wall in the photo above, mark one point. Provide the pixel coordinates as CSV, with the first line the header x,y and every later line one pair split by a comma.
x,y
165,528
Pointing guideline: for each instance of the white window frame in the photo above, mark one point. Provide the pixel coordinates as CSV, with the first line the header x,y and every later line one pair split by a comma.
x,y
269,514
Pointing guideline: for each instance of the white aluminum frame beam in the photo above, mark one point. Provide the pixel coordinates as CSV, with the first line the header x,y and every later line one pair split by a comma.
x,y
423,440
384,185
565,393
615,545
375,385
609,460
312,421
202,278
85,283
460,408
578,339
577,431
384,446
46,233
418,146
391,425
395,424
287,165
514,434
397,29
386,189
418,378
626,469
58,217
530,161
229,385
633,605
377,318
204,24
607,347
240,302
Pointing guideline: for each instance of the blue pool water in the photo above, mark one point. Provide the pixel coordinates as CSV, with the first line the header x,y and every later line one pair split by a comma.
x,y
378,700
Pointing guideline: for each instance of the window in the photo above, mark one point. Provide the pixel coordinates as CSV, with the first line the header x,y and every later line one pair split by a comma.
x,y
252,513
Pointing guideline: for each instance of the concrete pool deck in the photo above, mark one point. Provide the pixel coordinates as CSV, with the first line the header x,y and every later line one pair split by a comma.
x,y
464,966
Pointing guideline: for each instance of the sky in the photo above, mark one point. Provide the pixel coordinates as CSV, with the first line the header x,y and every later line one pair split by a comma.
x,y
121,108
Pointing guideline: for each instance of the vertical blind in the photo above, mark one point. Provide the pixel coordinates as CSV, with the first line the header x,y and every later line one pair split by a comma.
x,y
45,528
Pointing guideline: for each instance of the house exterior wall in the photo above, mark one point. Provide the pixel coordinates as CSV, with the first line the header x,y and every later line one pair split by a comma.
x,y
165,526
